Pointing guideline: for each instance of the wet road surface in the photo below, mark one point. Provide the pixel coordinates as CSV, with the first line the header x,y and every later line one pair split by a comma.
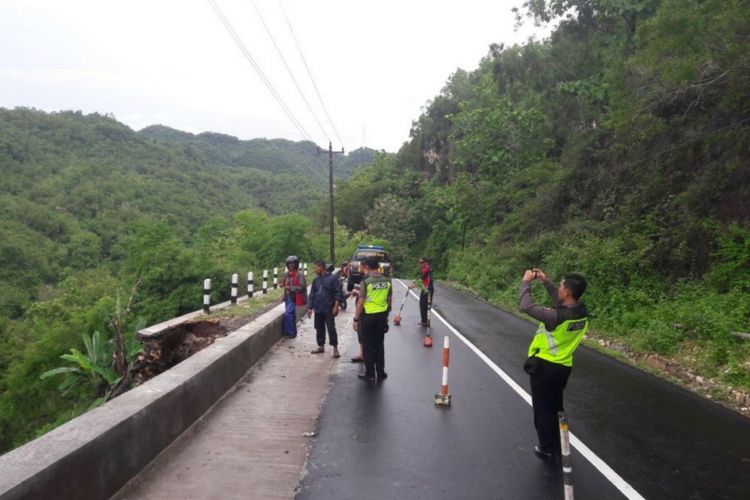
x,y
388,439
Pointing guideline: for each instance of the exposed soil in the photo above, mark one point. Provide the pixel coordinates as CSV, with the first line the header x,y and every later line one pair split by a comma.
x,y
176,345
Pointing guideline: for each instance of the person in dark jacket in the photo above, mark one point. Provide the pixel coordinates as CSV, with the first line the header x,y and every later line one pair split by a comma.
x,y
325,298
560,331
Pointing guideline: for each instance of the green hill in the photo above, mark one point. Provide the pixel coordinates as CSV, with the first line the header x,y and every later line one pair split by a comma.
x,y
618,148
91,210
73,184
277,156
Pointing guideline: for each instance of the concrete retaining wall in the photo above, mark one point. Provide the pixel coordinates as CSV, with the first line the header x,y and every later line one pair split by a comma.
x,y
94,455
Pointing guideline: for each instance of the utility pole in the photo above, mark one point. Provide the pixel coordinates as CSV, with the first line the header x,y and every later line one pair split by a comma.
x,y
330,195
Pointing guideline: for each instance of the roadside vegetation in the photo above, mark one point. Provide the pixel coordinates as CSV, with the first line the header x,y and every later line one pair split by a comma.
x,y
104,231
618,148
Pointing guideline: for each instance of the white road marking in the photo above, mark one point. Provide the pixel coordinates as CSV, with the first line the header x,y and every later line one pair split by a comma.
x,y
607,471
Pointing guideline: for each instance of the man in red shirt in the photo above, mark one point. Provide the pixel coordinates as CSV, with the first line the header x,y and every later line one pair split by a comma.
x,y
427,289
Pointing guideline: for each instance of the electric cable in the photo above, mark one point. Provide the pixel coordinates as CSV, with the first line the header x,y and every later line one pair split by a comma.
x,y
309,73
289,70
298,125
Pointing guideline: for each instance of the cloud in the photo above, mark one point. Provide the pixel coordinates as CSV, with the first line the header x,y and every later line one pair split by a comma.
x,y
376,64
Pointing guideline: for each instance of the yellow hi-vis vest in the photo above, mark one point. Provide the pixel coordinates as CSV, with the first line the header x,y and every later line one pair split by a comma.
x,y
376,298
558,345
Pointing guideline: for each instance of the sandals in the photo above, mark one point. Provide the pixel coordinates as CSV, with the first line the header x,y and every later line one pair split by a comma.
x,y
357,359
321,350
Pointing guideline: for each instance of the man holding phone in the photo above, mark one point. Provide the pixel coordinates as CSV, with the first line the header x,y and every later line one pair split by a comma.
x,y
561,330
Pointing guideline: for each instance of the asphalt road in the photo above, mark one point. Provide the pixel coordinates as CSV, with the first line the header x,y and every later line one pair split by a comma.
x,y
389,440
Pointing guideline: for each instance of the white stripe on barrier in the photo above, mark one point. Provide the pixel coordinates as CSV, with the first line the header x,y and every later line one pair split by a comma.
x,y
568,491
612,476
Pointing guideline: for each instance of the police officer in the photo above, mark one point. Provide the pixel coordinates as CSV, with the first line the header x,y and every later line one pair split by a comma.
x,y
371,316
561,329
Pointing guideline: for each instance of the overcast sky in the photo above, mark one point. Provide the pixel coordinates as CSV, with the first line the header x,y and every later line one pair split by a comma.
x,y
172,62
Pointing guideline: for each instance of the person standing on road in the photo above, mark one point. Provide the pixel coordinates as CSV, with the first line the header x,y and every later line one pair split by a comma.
x,y
342,278
371,317
561,330
295,295
427,289
344,270
325,298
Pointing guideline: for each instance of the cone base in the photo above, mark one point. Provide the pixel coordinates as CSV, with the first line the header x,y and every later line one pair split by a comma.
x,y
443,400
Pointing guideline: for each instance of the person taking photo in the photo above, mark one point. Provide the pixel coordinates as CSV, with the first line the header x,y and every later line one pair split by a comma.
x,y
560,331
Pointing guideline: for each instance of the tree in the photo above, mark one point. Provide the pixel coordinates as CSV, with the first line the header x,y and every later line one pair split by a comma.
x,y
393,220
288,235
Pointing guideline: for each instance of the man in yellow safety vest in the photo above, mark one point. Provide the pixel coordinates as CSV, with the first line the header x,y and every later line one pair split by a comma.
x,y
561,330
371,317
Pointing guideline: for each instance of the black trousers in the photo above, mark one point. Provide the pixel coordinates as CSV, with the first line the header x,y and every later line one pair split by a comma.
x,y
373,333
423,303
323,321
547,386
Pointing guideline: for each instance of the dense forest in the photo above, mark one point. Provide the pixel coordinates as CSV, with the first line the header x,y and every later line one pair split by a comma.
x,y
618,148
90,209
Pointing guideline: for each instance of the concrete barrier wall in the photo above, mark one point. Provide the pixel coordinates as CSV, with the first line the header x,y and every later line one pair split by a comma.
x,y
94,455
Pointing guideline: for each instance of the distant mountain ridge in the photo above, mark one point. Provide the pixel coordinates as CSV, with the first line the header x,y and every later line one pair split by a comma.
x,y
74,185
273,155
93,212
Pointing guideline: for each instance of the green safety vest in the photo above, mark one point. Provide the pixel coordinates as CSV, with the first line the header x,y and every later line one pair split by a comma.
x,y
377,288
558,345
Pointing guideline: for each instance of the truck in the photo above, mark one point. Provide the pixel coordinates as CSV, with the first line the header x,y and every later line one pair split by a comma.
x,y
356,265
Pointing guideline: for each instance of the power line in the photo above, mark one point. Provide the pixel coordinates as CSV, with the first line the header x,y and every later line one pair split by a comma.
x,y
289,70
309,73
259,71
